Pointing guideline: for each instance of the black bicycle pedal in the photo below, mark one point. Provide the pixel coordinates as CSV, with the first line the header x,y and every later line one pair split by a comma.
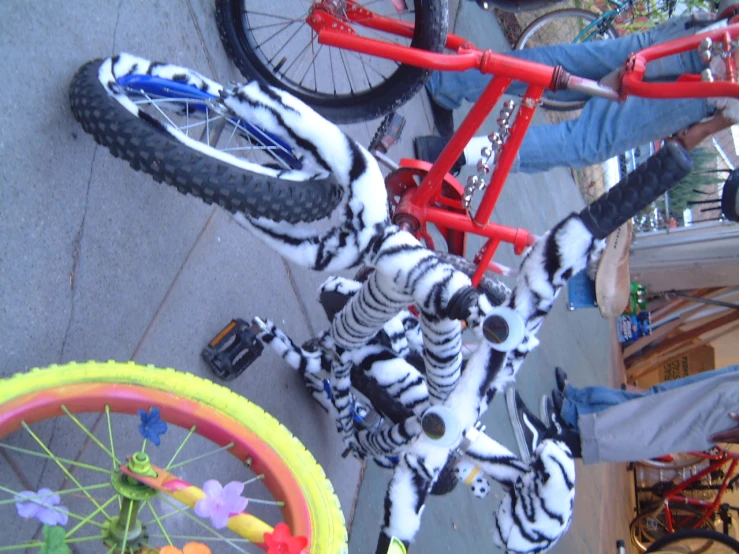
x,y
232,350
388,133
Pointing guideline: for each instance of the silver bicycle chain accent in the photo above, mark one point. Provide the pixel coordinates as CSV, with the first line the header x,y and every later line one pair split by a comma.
x,y
489,155
709,51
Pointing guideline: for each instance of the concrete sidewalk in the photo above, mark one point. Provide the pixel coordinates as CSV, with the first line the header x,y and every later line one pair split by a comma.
x,y
98,261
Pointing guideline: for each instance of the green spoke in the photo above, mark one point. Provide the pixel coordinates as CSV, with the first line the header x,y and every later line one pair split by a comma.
x,y
184,441
110,435
128,527
196,458
56,508
61,466
204,526
270,502
93,438
39,544
92,515
257,478
159,522
62,492
199,538
170,514
52,457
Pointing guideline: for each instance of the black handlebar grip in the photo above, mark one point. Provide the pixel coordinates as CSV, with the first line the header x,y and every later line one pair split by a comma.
x,y
460,303
637,190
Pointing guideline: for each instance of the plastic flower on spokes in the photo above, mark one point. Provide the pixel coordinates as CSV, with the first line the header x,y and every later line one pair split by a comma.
x,y
282,541
189,548
44,505
220,502
151,425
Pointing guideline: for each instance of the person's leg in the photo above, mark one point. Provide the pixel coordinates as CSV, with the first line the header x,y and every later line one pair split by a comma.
x,y
675,383
606,129
593,60
678,420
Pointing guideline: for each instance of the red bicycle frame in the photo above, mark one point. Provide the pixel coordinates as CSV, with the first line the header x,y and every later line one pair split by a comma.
x,y
438,197
716,460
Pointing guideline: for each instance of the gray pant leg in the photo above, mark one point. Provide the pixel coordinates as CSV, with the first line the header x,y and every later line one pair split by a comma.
x,y
679,420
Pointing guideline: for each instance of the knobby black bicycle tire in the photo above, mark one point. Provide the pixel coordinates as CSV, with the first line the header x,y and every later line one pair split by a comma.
x,y
715,536
398,88
551,104
150,149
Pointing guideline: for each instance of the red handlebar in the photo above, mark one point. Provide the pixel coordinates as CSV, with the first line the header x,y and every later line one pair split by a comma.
x,y
632,81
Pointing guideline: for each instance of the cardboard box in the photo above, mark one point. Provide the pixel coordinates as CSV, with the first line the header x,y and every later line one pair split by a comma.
x,y
699,360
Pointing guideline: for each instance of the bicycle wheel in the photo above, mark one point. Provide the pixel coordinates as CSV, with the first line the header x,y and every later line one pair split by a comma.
x,y
686,541
78,417
563,27
153,122
272,42
650,526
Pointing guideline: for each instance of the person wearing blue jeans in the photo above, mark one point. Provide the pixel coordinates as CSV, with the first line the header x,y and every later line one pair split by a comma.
x,y
605,128
578,402
610,425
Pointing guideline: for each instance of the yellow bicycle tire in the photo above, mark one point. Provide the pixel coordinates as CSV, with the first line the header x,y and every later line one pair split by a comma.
x,y
329,534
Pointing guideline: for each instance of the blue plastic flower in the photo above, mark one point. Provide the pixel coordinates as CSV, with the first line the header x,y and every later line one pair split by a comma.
x,y
151,425
44,505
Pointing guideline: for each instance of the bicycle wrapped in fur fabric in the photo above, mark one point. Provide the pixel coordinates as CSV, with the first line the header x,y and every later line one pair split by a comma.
x,y
446,396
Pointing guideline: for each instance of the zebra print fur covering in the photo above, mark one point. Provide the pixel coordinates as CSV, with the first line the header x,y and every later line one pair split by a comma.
x,y
375,334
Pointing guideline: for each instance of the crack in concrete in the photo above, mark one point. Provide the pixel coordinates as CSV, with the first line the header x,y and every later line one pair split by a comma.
x,y
76,259
115,27
203,43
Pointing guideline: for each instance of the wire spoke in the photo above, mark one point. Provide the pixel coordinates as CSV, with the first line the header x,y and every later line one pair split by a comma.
x,y
128,527
204,526
164,115
182,444
197,537
62,492
268,502
159,522
110,435
207,454
61,466
56,508
46,456
92,515
92,437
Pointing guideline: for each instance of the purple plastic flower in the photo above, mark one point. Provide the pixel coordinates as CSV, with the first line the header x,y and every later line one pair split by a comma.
x,y
220,502
151,425
39,505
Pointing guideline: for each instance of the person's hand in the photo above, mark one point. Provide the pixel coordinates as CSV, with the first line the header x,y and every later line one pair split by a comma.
x,y
695,134
732,435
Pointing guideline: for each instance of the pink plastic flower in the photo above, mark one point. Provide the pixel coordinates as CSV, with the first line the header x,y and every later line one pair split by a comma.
x,y
39,505
220,502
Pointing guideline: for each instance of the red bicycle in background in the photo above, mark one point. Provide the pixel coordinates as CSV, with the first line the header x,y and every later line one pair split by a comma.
x,y
688,493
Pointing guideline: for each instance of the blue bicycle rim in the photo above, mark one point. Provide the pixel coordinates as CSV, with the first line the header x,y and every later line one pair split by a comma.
x,y
166,88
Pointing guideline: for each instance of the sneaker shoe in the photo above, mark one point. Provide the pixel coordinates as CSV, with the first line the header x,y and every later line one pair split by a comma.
x,y
612,280
529,430
429,148
443,117
561,378
558,400
559,430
